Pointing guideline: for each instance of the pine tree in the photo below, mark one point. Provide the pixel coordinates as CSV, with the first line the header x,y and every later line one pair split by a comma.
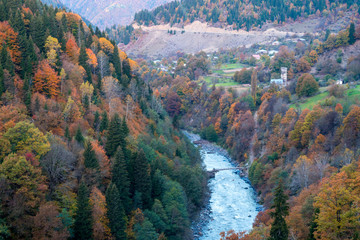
x,y
83,57
96,120
352,38
38,32
90,160
2,84
67,134
104,122
142,179
115,213
6,61
115,59
4,231
83,218
124,127
279,229
78,136
115,137
120,178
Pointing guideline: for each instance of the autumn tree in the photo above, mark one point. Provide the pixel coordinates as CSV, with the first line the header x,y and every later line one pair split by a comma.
x,y
338,206
71,111
303,65
279,229
72,50
352,127
115,213
173,104
24,137
46,80
47,224
99,214
92,60
26,190
52,46
303,167
83,226
306,85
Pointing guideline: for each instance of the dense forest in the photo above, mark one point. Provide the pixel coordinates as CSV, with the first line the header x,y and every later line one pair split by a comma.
x,y
239,13
91,145
86,150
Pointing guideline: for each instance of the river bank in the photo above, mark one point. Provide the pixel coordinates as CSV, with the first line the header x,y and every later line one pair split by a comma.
x,y
231,204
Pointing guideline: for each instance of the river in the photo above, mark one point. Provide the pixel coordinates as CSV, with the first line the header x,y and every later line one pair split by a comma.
x,y
232,204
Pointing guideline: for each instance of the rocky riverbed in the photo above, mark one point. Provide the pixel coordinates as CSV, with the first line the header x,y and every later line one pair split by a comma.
x,y
232,202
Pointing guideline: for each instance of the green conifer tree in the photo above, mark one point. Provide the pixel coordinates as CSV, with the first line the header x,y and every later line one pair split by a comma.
x,y
121,180
83,218
67,134
279,229
104,122
352,38
142,179
96,120
115,136
2,84
78,136
90,160
115,213
115,59
83,57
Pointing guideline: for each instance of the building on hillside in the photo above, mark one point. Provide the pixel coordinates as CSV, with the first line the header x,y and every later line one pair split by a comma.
x,y
279,82
283,81
262,52
276,43
284,76
256,56
273,52
339,82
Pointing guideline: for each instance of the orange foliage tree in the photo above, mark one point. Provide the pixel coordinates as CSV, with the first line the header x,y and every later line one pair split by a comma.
x,y
72,49
9,37
46,80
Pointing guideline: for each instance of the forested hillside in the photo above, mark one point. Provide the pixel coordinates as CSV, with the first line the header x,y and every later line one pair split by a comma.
x,y
313,152
105,13
86,149
241,14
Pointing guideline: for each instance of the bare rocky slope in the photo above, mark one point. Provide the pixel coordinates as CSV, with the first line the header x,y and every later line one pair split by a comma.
x,y
106,13
156,41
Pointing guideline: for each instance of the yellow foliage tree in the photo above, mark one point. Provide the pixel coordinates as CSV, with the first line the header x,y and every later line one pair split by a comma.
x,y
26,138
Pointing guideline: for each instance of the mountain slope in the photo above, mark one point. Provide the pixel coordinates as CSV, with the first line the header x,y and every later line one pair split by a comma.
x,y
107,13
240,13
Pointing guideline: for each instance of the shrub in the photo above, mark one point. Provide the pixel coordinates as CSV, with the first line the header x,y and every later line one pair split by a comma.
x,y
337,91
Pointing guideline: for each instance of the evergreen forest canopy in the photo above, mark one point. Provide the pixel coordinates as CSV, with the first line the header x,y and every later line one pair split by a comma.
x,y
238,13
86,150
